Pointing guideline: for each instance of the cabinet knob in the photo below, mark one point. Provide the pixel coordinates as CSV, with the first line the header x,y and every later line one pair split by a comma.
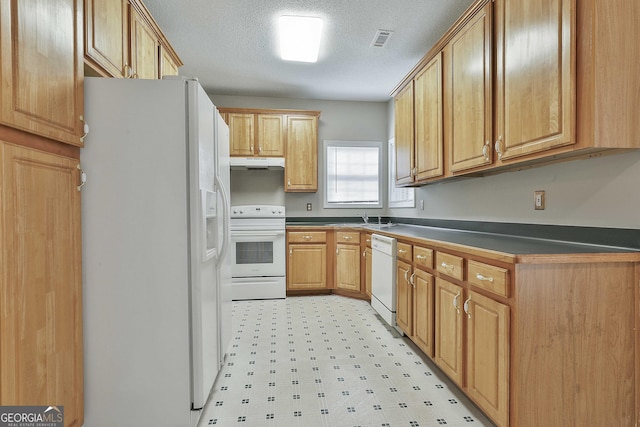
x,y
499,147
485,150
455,302
466,307
484,278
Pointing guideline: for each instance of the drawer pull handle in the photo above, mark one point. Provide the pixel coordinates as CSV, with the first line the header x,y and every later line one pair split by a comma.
x,y
455,302
422,257
347,237
447,266
484,278
402,251
307,237
466,306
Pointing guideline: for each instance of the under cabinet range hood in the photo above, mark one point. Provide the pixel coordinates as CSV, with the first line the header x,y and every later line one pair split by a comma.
x,y
244,163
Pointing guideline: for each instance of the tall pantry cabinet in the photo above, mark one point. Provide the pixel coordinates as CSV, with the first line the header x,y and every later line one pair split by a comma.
x,y
41,129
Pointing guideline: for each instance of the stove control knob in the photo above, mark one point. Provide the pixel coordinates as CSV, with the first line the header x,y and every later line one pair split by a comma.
x,y
235,211
241,211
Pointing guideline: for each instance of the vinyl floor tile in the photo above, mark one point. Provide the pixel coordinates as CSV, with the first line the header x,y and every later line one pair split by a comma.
x,y
329,361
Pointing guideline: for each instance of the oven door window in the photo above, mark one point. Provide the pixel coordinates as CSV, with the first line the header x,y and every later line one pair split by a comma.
x,y
254,253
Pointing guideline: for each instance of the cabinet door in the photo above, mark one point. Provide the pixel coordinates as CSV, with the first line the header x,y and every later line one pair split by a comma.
x,y
367,271
469,53
404,303
423,308
168,66
41,283
107,36
535,91
42,68
241,134
307,266
144,47
488,355
403,107
428,120
270,135
449,329
301,161
348,267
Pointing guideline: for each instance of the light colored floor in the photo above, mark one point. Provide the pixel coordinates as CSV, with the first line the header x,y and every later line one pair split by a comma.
x,y
329,361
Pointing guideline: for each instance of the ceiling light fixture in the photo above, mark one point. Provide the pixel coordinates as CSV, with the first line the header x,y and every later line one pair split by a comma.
x,y
300,38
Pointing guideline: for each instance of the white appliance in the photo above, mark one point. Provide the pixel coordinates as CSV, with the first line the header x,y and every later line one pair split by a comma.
x,y
156,304
383,277
246,163
258,252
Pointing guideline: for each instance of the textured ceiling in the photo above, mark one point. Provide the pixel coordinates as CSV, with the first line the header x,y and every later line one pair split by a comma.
x,y
231,45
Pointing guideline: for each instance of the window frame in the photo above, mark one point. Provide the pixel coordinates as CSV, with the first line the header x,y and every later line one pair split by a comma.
x,y
393,189
342,143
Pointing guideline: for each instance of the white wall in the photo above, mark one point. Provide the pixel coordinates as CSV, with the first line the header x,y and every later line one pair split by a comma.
x,y
599,192
339,120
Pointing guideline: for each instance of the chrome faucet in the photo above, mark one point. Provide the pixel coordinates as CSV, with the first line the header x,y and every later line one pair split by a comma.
x,y
364,217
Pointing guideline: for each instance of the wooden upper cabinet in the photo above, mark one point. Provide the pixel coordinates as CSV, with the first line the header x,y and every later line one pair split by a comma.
x,y
469,93
428,109
404,137
301,160
106,46
270,141
241,134
535,75
42,69
256,134
168,64
123,40
145,62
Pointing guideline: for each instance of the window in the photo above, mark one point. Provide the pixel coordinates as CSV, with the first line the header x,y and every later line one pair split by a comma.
x,y
399,197
352,174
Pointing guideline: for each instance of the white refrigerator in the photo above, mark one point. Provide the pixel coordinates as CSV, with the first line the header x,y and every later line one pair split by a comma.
x,y
156,280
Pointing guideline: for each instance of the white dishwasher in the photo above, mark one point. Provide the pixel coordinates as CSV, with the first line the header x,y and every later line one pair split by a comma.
x,y
383,277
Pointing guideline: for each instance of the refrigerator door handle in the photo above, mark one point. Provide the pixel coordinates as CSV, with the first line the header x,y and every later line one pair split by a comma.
x,y
225,233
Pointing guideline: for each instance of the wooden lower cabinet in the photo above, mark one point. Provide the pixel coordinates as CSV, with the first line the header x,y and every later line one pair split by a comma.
x,y
367,271
307,266
448,329
423,307
485,357
41,283
348,267
404,295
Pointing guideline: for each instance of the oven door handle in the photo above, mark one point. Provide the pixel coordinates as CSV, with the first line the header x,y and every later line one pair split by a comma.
x,y
247,233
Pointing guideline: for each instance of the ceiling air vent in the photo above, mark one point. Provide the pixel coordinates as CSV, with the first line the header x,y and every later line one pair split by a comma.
x,y
381,37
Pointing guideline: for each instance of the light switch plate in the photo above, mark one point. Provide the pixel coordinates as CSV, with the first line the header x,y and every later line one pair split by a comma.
x,y
538,200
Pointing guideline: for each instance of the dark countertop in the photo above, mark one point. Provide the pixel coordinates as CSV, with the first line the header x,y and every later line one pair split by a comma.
x,y
503,243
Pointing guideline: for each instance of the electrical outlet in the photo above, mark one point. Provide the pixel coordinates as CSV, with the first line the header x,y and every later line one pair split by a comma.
x,y
309,207
538,200
421,205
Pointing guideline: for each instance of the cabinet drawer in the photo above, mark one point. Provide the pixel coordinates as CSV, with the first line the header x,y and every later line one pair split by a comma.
x,y
451,265
422,257
307,236
489,277
348,237
405,252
